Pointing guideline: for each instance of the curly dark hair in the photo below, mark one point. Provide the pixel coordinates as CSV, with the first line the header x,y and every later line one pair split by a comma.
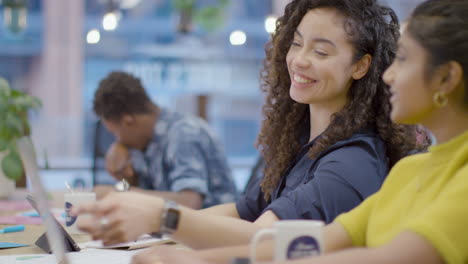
x,y
118,94
372,29
441,27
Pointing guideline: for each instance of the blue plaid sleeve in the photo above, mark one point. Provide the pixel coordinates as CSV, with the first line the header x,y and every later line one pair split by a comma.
x,y
187,168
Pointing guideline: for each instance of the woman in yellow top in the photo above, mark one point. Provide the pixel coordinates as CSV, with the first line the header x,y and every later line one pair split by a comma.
x,y
420,215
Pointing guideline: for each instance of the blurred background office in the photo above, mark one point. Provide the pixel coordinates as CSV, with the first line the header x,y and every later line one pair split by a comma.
x,y
198,56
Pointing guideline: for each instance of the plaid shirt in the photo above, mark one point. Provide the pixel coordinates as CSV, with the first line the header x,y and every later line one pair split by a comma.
x,y
185,155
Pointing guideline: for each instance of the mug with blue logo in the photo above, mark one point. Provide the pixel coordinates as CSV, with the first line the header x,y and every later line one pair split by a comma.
x,y
73,199
293,239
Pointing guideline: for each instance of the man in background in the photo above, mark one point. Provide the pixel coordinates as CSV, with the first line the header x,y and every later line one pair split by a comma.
x,y
158,151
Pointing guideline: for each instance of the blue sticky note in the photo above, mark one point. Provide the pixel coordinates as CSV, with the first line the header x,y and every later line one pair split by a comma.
x,y
4,245
31,214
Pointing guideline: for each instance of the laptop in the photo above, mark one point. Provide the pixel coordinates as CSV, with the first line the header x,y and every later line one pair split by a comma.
x,y
54,235
43,243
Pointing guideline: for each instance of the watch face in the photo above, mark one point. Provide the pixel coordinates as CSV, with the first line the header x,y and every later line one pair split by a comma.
x,y
240,261
172,218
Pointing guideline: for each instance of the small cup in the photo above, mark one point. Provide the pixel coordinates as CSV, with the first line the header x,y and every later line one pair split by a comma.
x,y
73,199
293,239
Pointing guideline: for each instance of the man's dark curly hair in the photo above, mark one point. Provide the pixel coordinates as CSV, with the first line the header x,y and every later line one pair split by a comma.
x,y
372,29
118,94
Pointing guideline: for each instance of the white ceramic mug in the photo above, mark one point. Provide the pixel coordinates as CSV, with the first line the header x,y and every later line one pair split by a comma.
x,y
292,239
73,199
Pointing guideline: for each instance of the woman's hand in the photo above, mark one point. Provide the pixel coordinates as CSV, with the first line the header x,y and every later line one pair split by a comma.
x,y
103,190
121,217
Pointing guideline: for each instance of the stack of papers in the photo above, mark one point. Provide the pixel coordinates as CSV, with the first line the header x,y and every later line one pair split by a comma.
x,y
88,256
142,242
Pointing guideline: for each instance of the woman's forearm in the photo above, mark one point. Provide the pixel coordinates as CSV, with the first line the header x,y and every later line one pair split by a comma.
x,y
200,230
228,209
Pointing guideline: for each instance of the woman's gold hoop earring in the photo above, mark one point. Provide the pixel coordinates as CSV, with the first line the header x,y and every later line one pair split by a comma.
x,y
440,99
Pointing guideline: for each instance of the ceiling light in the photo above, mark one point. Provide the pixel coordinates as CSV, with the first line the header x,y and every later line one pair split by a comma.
x,y
93,36
270,24
109,21
237,38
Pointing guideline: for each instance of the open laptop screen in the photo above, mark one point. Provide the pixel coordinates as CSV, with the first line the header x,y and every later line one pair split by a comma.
x,y
54,237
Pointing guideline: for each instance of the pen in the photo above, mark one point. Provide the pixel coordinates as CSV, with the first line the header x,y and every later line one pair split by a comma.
x,y
16,228
30,214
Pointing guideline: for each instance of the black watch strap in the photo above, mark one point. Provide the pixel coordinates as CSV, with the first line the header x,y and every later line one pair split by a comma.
x,y
240,261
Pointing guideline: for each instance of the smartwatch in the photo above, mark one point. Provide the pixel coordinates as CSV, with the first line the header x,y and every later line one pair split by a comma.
x,y
170,218
240,261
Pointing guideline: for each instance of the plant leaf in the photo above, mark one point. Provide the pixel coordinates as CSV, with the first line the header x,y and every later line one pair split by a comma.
x,y
35,102
223,3
16,93
14,124
14,107
5,133
3,144
210,18
4,88
26,126
12,166
183,4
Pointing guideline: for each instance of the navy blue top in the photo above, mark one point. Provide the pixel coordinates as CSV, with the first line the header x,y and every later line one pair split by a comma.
x,y
336,181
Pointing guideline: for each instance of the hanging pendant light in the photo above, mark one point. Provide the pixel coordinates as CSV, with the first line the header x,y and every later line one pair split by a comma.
x,y
15,15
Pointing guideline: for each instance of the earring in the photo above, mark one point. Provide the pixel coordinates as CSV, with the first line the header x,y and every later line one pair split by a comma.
x,y
440,99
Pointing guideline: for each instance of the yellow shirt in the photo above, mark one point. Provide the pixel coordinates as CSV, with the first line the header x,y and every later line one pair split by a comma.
x,y
426,194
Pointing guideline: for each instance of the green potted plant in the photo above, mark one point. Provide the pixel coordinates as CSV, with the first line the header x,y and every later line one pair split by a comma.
x,y
14,125
209,17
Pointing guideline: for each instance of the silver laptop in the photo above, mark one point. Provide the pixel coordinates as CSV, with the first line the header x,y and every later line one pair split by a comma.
x,y
54,235
57,238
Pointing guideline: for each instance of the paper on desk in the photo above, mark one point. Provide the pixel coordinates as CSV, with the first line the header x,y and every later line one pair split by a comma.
x,y
88,256
19,219
14,205
28,220
143,241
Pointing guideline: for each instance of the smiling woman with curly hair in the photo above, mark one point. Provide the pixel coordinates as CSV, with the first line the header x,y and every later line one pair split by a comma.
x,y
327,139
367,103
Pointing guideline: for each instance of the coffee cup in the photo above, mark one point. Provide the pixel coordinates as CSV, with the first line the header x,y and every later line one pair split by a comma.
x,y
73,199
293,239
